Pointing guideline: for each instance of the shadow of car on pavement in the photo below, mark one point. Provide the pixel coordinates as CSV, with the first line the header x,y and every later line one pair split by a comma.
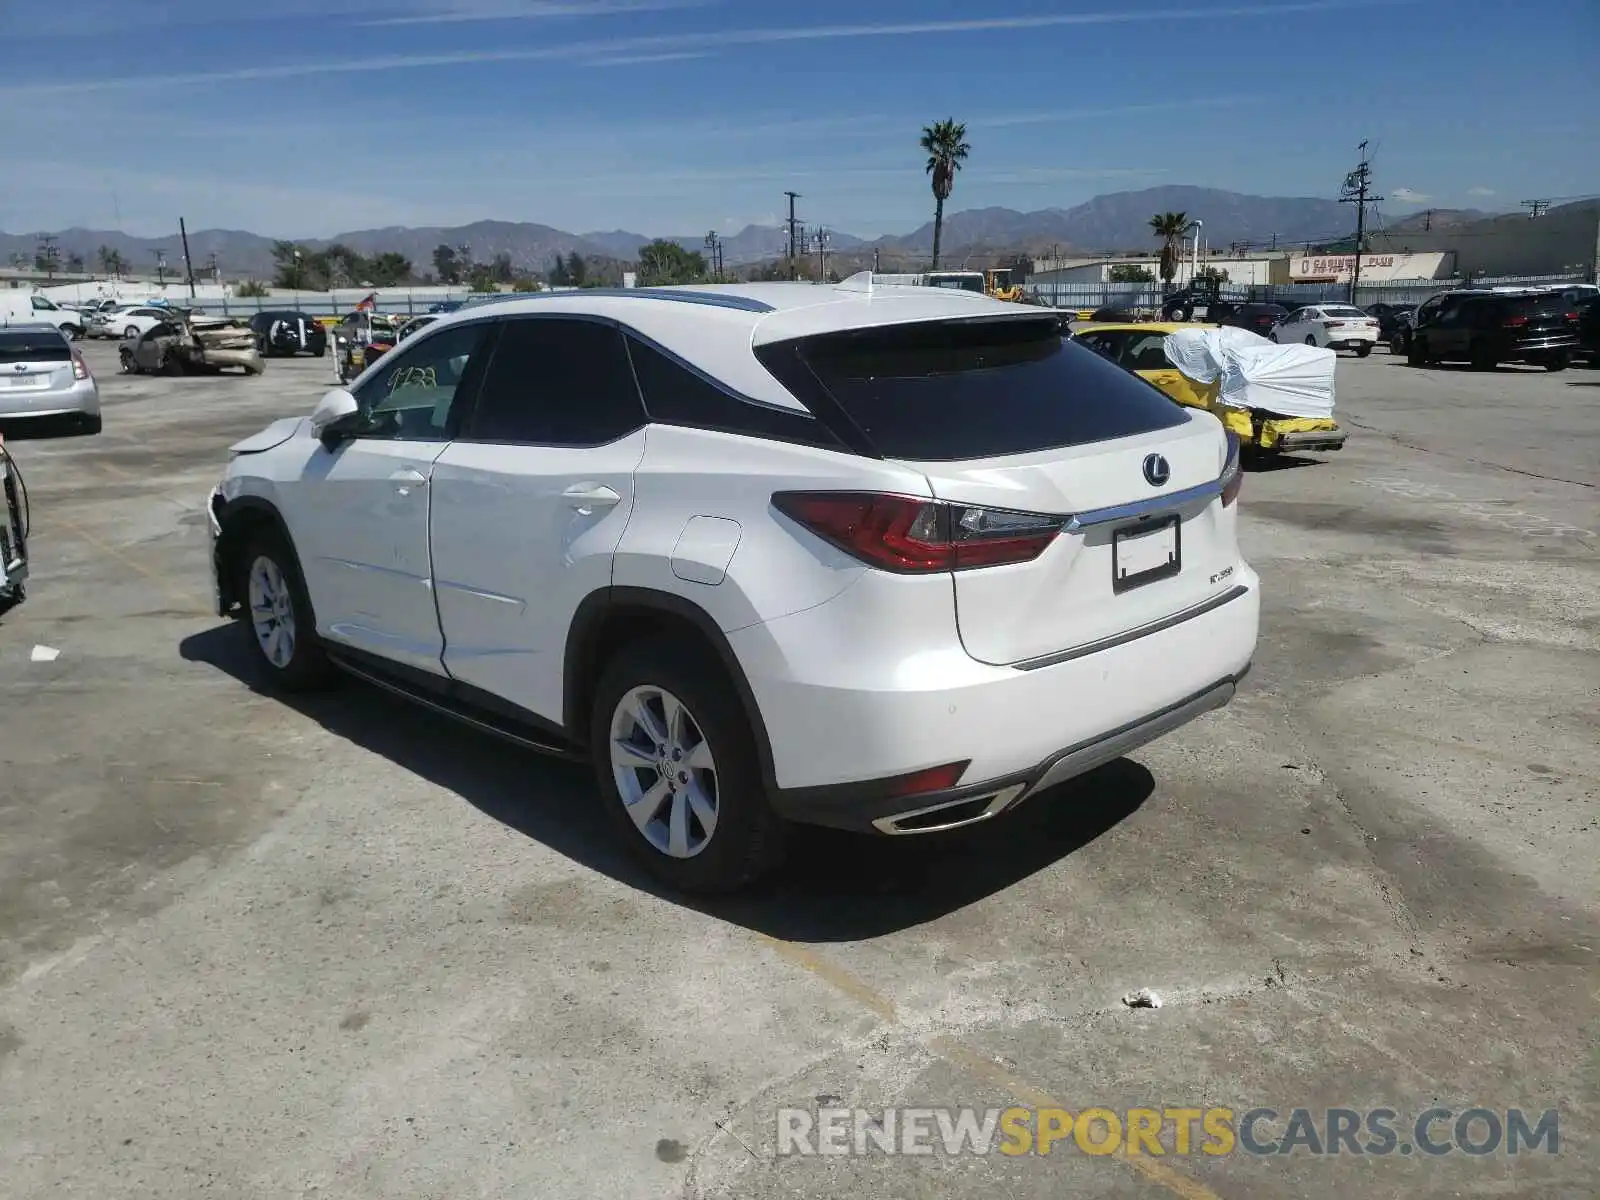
x,y
834,886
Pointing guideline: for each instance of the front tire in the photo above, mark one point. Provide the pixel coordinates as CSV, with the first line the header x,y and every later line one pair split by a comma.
x,y
278,616
1416,353
1556,362
677,769
1363,351
131,333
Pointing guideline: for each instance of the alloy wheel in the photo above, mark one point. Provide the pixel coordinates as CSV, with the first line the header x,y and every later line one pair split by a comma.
x,y
271,612
664,771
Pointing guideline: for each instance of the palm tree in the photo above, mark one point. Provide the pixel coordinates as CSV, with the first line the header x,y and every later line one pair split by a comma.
x,y
1170,228
946,144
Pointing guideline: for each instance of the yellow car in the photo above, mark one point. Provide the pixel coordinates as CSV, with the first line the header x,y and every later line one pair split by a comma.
x,y
1139,348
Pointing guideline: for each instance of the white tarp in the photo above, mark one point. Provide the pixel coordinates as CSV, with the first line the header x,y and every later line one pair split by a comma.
x,y
1291,381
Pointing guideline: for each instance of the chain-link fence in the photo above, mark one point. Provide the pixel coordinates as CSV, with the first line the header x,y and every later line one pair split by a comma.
x,y
1090,295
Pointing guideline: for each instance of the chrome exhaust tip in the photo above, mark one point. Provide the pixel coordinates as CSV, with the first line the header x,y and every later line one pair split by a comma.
x,y
950,814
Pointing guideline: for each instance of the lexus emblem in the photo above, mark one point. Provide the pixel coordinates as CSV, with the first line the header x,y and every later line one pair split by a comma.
x,y
1156,470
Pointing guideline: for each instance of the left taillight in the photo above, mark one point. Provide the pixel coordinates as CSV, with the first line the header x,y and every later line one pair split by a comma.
x,y
913,536
1232,471
80,369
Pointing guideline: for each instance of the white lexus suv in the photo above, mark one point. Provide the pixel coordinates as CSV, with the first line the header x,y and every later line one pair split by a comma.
x,y
886,559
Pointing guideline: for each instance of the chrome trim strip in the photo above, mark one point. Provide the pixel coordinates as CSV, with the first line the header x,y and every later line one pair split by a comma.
x,y
1113,746
1132,635
1145,508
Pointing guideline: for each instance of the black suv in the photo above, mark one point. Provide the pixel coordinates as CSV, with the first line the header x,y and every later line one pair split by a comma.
x,y
288,333
1589,330
1257,318
1487,328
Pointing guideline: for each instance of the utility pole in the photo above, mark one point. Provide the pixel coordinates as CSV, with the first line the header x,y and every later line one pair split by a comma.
x,y
1358,191
875,251
161,267
714,253
1536,208
1274,245
822,255
794,267
188,264
212,269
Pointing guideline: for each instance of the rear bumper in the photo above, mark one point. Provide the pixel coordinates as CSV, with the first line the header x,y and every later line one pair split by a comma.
x,y
81,399
851,723
854,807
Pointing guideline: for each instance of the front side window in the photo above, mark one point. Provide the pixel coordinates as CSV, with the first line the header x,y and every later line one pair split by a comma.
x,y
556,381
41,304
412,394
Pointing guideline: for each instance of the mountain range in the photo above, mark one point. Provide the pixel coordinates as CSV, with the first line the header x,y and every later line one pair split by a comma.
x,y
1117,221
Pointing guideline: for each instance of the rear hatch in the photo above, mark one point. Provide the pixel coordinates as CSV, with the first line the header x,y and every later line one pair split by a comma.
x,y
33,361
1549,319
1009,422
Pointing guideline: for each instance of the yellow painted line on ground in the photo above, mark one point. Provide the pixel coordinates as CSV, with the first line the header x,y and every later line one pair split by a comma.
x,y
835,976
203,608
947,1048
1153,1169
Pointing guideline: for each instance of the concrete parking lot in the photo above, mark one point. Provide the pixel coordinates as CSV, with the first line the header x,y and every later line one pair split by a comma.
x,y
335,947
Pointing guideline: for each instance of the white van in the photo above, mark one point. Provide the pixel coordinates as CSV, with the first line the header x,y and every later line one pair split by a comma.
x,y
29,308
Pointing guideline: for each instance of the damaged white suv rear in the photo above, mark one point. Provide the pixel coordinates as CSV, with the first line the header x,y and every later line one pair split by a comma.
x,y
887,559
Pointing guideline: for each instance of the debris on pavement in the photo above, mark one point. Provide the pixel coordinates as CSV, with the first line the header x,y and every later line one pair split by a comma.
x,y
44,654
1143,998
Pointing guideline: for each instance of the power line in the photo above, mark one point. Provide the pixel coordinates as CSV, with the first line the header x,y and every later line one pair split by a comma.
x,y
1536,208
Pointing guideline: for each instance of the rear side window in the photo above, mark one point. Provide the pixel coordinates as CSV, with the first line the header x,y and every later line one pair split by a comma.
x,y
1547,303
676,394
963,389
557,382
33,347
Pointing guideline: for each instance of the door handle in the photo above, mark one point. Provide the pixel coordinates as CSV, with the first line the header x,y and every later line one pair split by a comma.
x,y
586,497
406,479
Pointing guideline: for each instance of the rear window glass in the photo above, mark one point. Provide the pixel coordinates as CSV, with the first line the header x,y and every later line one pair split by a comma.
x,y
963,389
1551,302
1341,310
33,347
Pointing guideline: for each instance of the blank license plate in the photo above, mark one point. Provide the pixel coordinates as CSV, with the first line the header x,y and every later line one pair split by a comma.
x,y
1144,553
26,381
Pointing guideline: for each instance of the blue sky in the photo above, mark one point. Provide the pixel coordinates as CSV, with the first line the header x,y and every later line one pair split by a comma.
x,y
305,118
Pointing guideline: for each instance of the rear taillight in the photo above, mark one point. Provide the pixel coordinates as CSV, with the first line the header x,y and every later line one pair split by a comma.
x,y
1333,324
911,536
1513,322
80,369
1232,472
1572,316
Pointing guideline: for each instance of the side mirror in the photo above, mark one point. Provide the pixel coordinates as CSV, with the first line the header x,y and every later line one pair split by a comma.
x,y
334,415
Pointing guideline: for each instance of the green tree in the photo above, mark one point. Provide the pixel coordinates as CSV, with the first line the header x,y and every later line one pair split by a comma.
x,y
343,266
558,274
75,263
293,266
251,288
1169,227
577,270
481,277
946,144
1215,273
502,269
446,264
525,283
664,262
1130,273
388,269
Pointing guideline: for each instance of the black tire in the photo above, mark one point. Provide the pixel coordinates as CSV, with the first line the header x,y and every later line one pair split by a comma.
x,y
1397,343
321,351
1310,341
1556,362
171,364
89,424
307,668
131,333
1363,351
1416,353
129,366
749,837
1481,358
74,332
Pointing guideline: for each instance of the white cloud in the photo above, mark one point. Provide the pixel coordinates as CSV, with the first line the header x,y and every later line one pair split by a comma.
x,y
631,60
1480,190
665,42
1407,195
450,12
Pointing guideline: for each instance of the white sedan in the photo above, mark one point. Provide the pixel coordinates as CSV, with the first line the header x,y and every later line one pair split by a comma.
x,y
1334,326
130,321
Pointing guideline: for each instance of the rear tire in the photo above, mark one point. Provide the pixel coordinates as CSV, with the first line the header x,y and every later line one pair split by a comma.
x,y
1363,351
670,794
278,617
1556,362
1416,353
89,424
131,333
